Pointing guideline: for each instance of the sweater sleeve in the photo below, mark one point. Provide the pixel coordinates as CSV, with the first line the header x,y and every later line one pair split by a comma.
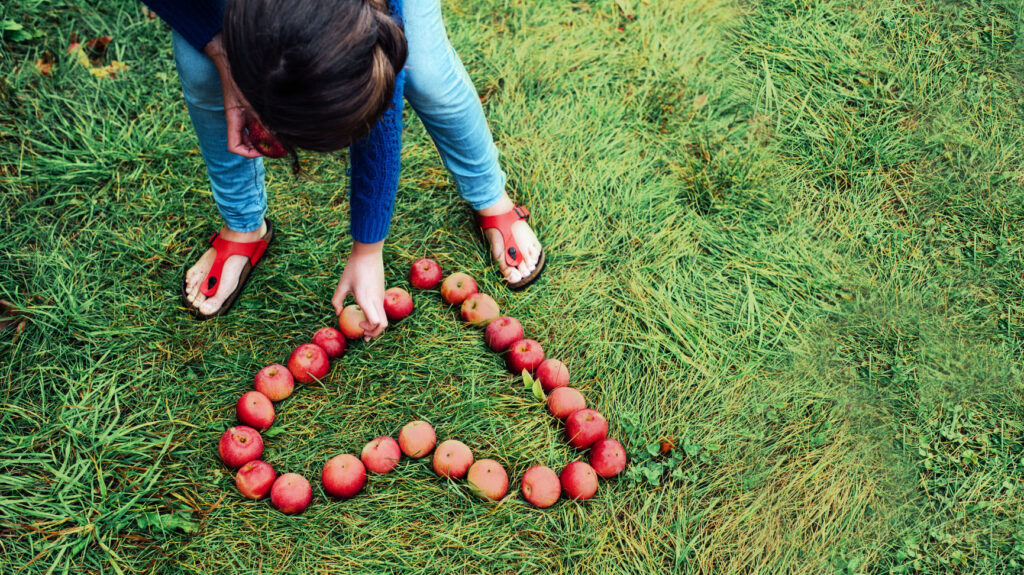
x,y
375,162
198,21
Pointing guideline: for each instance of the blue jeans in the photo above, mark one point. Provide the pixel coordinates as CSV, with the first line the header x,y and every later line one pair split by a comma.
x,y
436,86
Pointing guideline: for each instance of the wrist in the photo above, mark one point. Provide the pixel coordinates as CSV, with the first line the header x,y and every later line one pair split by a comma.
x,y
215,48
361,249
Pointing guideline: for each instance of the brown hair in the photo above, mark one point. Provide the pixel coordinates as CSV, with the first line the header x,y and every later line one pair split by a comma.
x,y
318,73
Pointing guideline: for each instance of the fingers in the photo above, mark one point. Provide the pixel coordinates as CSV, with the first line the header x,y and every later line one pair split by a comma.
x,y
242,149
238,140
376,319
338,301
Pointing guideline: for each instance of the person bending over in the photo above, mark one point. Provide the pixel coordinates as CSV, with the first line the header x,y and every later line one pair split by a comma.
x,y
323,75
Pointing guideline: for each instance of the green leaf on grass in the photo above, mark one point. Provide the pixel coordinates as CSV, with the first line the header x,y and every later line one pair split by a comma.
x,y
181,520
527,380
692,449
538,391
15,32
652,472
675,459
273,431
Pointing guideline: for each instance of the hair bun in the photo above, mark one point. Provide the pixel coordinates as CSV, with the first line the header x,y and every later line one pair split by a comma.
x,y
318,73
390,36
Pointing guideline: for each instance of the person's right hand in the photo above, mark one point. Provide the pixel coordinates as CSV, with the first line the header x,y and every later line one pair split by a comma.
x,y
364,279
236,109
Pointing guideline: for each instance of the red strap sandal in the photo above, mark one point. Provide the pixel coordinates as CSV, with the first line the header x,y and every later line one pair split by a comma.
x,y
253,251
513,254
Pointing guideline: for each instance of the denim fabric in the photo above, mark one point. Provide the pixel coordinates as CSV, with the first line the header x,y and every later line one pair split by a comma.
x,y
236,182
437,87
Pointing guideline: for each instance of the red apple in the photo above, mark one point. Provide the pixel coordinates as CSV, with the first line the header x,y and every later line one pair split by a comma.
x,y
331,341
424,274
264,142
457,287
381,455
502,333
564,401
240,445
349,321
255,410
308,362
524,354
343,476
417,439
552,373
607,457
452,459
579,480
275,382
585,427
487,478
480,309
541,486
255,478
291,493
397,303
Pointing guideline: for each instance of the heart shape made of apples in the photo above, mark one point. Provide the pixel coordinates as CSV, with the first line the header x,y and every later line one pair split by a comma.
x,y
344,475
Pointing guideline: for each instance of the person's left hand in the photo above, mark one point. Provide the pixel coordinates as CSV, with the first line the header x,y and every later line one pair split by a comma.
x,y
236,109
364,279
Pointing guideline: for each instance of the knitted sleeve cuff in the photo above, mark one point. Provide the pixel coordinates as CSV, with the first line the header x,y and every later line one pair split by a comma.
x,y
198,21
376,161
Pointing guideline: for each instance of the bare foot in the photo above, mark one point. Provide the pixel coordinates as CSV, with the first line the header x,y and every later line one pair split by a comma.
x,y
524,236
195,276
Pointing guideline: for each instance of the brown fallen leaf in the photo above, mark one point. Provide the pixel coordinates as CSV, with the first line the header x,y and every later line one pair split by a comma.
x,y
96,49
667,444
110,70
45,63
91,55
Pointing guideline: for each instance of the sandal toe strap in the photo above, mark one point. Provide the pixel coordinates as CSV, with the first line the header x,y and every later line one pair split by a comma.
x,y
225,249
503,223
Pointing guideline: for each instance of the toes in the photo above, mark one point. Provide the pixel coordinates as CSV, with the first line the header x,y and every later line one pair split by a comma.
x,y
532,256
196,295
191,281
496,244
193,291
211,305
229,279
529,261
196,276
529,247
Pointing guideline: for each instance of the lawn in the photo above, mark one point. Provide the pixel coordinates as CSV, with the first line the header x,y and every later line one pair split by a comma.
x,y
785,242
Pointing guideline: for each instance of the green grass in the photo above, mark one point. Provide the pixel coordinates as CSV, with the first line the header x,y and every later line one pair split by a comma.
x,y
785,234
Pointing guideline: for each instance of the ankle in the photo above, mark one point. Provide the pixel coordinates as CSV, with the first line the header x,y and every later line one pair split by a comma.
x,y
503,205
233,236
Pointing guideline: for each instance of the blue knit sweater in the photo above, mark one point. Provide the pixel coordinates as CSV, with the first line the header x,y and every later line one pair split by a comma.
x,y
375,159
